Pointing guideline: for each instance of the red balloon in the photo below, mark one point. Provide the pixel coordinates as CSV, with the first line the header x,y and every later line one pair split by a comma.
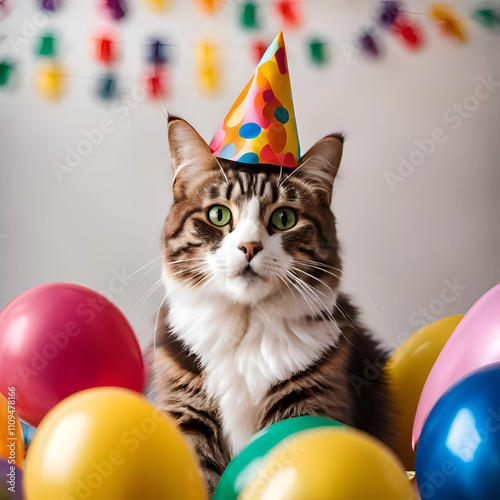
x,y
60,338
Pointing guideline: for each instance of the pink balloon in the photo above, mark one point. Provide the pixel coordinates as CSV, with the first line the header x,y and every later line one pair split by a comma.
x,y
60,338
474,343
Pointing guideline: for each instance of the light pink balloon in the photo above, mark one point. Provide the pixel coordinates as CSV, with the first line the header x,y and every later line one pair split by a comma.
x,y
474,343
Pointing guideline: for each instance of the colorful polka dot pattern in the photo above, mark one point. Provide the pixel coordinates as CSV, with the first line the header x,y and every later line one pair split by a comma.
x,y
261,127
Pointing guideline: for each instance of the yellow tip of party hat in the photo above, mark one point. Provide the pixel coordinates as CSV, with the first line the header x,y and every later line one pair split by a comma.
x,y
261,127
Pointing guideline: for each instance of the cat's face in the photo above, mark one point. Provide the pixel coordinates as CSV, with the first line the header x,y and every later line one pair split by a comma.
x,y
247,232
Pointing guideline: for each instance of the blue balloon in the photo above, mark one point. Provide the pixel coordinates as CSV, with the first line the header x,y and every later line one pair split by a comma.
x,y
458,454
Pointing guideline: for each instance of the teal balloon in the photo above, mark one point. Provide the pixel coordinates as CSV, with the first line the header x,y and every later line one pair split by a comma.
x,y
243,466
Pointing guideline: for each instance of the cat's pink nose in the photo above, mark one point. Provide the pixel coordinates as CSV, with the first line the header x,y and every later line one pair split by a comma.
x,y
250,249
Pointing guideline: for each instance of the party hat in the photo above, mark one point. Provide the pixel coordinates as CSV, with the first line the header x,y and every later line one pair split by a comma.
x,y
261,127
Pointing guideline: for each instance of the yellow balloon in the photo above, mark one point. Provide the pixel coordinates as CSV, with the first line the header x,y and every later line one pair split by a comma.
x,y
51,81
329,464
407,370
11,432
110,443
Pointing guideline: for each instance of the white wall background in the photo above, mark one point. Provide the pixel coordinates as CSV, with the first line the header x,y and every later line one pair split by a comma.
x,y
105,217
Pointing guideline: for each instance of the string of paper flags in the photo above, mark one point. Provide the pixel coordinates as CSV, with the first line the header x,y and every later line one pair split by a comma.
x,y
389,19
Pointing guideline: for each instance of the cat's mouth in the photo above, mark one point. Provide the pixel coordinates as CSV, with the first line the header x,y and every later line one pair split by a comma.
x,y
249,274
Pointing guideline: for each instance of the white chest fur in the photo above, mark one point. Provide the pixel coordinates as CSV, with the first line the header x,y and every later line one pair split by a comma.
x,y
246,349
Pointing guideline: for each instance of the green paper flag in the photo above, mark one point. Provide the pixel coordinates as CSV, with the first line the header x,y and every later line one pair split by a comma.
x,y
489,18
47,46
249,16
5,73
317,51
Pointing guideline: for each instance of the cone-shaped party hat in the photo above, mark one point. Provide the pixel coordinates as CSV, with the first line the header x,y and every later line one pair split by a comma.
x,y
261,127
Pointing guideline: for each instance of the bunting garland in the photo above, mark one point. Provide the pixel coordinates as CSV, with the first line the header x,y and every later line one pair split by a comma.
x,y
104,50
390,21
50,80
449,21
156,76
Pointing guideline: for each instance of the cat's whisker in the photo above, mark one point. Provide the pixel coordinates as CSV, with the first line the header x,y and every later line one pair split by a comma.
x,y
361,289
216,284
156,266
310,291
153,290
167,114
329,315
187,260
190,268
141,268
314,263
200,276
295,170
328,311
314,308
334,302
308,301
291,291
156,325
210,275
147,291
319,263
221,169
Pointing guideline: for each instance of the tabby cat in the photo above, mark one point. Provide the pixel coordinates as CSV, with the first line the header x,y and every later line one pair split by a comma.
x,y
253,328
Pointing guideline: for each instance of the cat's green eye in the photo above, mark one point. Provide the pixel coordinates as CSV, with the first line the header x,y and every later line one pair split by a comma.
x,y
219,215
284,218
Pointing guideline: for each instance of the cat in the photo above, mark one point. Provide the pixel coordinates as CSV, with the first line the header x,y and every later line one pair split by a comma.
x,y
253,328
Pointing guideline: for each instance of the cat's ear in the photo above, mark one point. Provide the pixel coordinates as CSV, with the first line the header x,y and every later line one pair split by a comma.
x,y
319,166
191,156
